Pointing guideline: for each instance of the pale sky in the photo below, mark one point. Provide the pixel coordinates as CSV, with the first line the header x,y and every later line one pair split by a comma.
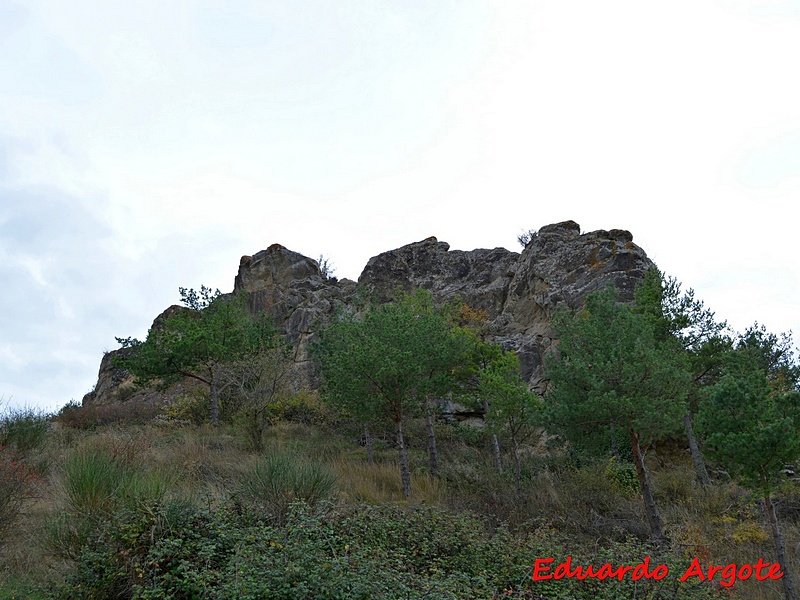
x,y
148,145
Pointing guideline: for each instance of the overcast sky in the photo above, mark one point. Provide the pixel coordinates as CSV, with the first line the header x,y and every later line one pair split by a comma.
x,y
148,145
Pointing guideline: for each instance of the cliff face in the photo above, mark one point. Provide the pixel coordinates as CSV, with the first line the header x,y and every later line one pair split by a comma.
x,y
519,292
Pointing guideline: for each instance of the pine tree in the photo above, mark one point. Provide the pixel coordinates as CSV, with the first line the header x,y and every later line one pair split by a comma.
x,y
682,323
388,363
197,341
752,427
610,374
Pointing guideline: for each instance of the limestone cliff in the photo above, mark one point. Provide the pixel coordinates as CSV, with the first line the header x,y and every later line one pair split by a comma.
x,y
519,292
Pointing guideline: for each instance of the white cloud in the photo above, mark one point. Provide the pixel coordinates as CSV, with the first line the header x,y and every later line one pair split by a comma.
x,y
148,146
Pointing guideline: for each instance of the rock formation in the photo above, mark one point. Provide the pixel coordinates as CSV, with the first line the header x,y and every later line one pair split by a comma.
x,y
518,292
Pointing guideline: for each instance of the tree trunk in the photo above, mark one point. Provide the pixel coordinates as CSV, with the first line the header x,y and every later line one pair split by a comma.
x,y
653,518
433,453
697,456
405,474
788,584
498,458
614,445
517,463
258,425
214,394
368,442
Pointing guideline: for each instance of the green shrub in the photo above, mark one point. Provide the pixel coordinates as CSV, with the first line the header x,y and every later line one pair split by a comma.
x,y
176,550
24,429
278,479
303,407
95,485
624,476
153,550
191,407
254,417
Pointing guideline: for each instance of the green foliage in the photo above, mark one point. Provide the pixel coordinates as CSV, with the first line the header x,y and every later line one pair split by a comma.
x,y
623,475
302,407
93,482
750,427
774,354
610,370
386,363
153,550
675,314
191,407
280,478
682,322
23,429
197,341
95,485
382,362
612,375
512,407
176,550
261,382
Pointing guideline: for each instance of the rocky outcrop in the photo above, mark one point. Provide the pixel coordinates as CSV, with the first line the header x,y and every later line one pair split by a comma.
x,y
518,292
560,267
294,291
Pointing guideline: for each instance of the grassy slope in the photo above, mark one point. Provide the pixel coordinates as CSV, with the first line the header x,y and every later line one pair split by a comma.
x,y
591,511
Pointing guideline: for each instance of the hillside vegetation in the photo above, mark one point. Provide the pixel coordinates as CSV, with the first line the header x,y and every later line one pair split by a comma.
x,y
247,488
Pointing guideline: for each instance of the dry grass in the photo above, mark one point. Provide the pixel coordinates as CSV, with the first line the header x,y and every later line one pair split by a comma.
x,y
379,483
721,525
725,524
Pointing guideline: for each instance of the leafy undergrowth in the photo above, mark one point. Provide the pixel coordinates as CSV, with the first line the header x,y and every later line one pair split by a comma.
x,y
159,510
176,550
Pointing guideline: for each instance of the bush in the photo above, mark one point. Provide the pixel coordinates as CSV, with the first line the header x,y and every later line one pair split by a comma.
x,y
95,486
255,417
17,486
191,407
177,550
75,416
24,429
153,550
303,407
277,480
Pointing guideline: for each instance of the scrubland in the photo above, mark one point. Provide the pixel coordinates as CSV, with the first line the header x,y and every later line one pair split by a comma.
x,y
138,502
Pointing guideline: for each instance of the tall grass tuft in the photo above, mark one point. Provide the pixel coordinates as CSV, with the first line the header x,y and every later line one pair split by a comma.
x,y
23,429
280,478
96,485
379,483
93,482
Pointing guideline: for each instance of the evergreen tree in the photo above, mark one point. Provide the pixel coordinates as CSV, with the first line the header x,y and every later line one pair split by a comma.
x,y
510,407
197,341
682,323
752,427
610,373
387,363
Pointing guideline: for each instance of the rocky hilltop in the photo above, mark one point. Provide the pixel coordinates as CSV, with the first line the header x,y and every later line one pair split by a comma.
x,y
518,292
